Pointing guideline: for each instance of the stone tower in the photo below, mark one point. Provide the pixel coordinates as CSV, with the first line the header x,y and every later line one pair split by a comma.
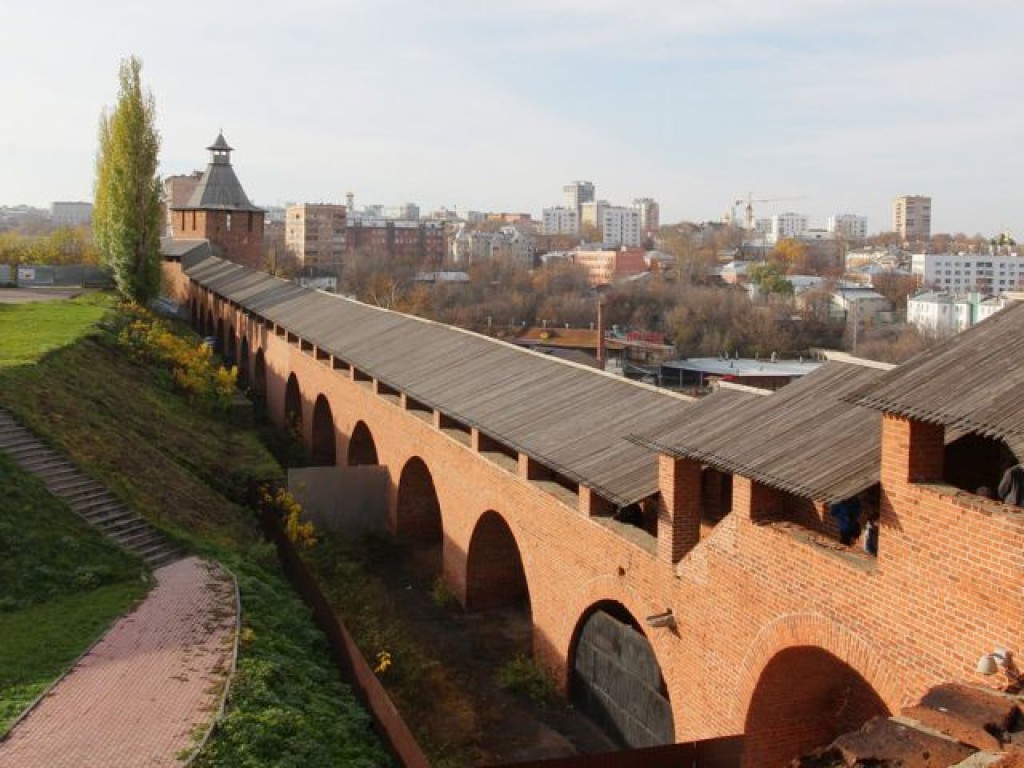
x,y
220,212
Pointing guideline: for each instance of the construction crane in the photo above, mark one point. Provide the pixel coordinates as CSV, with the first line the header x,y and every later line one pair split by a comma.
x,y
749,210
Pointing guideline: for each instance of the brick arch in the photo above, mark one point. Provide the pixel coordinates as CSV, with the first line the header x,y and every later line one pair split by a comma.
x,y
805,680
259,378
209,327
323,443
244,363
219,336
418,519
362,449
495,575
616,678
293,403
231,347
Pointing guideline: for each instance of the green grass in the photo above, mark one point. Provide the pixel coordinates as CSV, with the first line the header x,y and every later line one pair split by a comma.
x,y
61,584
41,641
29,331
188,472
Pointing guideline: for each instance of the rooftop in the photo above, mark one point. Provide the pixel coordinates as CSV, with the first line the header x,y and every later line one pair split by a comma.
x,y
568,417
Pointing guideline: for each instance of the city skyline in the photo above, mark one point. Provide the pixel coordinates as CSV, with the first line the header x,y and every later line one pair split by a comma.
x,y
846,105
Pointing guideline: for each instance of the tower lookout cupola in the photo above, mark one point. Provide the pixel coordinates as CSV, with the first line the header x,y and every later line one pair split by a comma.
x,y
220,151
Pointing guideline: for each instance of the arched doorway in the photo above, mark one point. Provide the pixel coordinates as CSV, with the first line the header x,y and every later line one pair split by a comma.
x,y
293,405
323,451
616,679
361,448
418,519
495,577
805,698
231,347
259,381
218,340
243,364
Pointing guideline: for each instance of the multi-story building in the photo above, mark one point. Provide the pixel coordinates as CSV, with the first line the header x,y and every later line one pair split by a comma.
x,y
592,212
420,241
848,226
649,214
945,314
912,217
962,272
786,225
314,233
219,211
607,266
403,212
508,243
620,227
67,214
576,193
560,220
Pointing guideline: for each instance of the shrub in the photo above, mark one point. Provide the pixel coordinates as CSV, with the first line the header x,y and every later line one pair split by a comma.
x,y
522,675
192,368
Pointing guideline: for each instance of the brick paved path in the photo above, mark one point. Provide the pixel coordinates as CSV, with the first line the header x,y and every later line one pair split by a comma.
x,y
138,698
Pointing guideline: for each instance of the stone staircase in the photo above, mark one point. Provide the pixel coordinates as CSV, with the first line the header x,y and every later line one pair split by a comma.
x,y
86,497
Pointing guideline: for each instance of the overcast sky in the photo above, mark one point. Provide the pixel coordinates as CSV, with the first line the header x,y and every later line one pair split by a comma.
x,y
481,105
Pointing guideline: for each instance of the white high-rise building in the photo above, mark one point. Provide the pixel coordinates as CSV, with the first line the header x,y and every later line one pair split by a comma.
x,y
560,220
650,214
787,225
620,227
960,273
849,226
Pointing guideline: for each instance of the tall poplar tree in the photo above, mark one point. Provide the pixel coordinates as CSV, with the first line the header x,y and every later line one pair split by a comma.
x,y
126,214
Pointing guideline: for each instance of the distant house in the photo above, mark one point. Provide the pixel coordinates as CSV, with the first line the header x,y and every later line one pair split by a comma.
x,y
866,305
945,314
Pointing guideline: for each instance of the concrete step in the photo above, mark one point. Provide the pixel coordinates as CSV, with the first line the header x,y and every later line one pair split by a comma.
x,y
88,498
80,491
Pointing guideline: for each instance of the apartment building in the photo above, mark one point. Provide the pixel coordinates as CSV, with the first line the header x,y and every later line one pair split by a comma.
x,y
962,272
912,217
420,241
650,214
314,233
620,226
848,226
560,220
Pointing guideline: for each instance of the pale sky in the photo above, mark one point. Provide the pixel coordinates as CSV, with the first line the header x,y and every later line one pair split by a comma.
x,y
493,106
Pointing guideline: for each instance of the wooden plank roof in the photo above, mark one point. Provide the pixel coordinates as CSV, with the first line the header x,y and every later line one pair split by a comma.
x,y
570,418
803,439
973,382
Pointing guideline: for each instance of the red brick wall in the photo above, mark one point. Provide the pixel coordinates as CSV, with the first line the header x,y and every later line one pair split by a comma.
x,y
946,585
241,242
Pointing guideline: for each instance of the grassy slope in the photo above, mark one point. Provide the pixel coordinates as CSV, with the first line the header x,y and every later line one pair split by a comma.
x,y
61,584
122,424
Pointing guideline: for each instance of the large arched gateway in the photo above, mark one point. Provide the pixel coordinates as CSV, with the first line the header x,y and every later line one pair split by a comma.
x,y
804,699
293,404
616,678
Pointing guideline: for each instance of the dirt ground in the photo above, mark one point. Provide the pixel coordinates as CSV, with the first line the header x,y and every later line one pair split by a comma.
x,y
25,295
473,646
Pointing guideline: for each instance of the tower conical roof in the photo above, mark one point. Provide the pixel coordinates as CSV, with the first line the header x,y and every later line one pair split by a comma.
x,y
219,188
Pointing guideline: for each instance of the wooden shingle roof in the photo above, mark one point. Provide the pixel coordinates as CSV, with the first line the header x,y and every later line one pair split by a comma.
x,y
568,417
804,439
973,382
